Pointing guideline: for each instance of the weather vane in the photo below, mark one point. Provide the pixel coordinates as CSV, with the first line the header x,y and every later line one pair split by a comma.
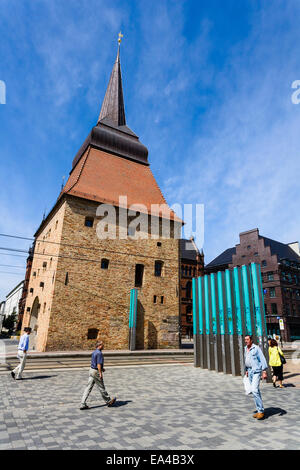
x,y
120,37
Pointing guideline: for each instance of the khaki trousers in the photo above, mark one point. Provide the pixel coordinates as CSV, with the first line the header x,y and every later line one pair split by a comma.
x,y
94,378
19,369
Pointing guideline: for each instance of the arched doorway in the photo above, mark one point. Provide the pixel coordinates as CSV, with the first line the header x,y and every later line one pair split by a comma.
x,y
34,322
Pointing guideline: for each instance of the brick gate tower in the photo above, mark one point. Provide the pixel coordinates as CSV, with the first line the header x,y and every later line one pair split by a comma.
x,y
90,250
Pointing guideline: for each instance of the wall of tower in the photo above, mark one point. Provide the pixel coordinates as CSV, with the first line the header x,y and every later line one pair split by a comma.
x,y
85,301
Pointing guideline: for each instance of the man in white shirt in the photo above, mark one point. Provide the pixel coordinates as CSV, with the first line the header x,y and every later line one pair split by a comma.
x,y
22,354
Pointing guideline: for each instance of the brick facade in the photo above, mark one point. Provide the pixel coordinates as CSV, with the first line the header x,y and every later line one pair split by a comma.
x,y
79,296
280,268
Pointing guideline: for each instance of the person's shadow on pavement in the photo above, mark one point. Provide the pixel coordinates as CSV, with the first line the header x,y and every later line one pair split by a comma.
x,y
38,377
274,411
116,405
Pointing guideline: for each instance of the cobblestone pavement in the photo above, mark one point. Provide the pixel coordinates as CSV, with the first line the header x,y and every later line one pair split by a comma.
x,y
159,407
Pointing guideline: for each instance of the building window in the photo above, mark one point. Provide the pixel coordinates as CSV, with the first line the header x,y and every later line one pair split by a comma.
x,y
272,292
264,263
154,299
248,247
92,333
56,224
190,270
42,284
189,317
256,253
34,274
185,270
158,243
182,270
44,265
158,268
31,290
44,309
270,276
139,274
28,309
274,309
67,279
162,299
104,263
89,222
188,290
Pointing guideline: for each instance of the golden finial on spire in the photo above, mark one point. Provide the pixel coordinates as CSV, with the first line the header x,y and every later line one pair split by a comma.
x,y
120,37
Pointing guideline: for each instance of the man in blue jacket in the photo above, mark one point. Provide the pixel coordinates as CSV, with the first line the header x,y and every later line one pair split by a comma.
x,y
255,368
22,354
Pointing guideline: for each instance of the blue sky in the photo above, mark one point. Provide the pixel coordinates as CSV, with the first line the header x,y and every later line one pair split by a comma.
x,y
207,87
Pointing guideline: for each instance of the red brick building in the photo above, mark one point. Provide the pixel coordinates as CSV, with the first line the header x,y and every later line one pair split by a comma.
x,y
280,267
192,265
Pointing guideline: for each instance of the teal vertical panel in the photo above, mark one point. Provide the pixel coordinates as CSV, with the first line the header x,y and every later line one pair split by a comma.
x,y
206,295
237,297
130,309
135,294
221,305
229,303
257,307
246,301
200,280
195,310
213,304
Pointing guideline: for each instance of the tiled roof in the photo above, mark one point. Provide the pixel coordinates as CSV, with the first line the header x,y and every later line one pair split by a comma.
x,y
223,258
282,250
103,177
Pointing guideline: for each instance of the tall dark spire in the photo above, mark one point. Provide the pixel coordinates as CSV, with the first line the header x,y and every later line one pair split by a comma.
x,y
113,103
111,134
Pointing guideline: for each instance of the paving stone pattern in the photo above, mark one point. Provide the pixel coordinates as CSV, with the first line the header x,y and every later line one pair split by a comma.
x,y
159,407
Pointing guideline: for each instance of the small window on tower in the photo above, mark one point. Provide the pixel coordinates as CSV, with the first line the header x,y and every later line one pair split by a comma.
x,y
92,333
154,299
89,222
158,268
104,263
139,273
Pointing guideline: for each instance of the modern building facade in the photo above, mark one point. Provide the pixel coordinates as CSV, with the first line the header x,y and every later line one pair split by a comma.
x,y
91,250
280,268
192,265
11,304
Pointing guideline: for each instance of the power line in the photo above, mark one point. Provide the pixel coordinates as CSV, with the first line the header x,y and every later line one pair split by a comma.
x,y
166,268
81,246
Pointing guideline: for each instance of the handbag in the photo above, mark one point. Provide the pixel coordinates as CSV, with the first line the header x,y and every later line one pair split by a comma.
x,y
282,358
247,385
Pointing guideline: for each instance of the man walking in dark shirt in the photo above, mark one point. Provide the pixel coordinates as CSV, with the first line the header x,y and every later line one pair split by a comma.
x,y
96,377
